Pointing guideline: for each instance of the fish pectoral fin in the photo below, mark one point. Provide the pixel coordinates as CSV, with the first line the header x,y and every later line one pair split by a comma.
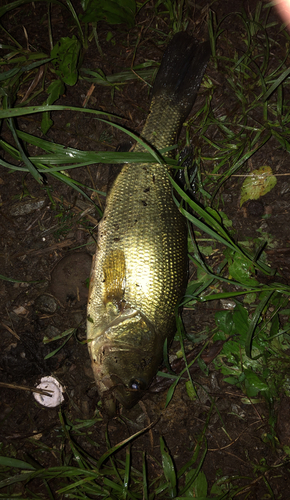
x,y
114,269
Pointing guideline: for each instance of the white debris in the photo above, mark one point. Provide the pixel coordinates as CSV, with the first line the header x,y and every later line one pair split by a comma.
x,y
20,310
49,384
228,304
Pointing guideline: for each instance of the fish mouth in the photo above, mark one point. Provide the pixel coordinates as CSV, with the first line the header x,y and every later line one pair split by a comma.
x,y
117,390
123,372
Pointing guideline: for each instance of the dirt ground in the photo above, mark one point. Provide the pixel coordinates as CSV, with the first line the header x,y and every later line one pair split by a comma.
x,y
44,247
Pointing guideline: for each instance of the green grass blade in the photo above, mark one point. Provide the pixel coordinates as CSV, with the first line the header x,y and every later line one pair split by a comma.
x,y
33,171
218,232
9,74
16,479
14,112
51,354
171,389
144,71
145,480
13,462
112,450
12,280
76,20
81,483
13,5
30,110
77,455
127,474
254,322
276,84
168,469
203,227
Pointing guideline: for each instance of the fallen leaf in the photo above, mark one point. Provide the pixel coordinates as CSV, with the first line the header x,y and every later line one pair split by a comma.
x,y
260,182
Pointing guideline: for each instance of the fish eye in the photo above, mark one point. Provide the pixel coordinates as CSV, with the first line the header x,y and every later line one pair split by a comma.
x,y
136,384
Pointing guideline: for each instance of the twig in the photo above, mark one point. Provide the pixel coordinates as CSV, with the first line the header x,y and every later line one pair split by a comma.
x,y
24,388
235,440
55,246
10,330
89,93
34,83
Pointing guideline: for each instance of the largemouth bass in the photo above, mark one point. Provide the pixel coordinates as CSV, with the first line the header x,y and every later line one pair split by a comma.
x,y
139,272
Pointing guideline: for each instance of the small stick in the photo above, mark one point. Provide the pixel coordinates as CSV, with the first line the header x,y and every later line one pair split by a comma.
x,y
24,388
89,93
10,330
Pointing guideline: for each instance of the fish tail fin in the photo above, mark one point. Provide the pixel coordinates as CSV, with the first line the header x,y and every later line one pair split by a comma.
x,y
181,71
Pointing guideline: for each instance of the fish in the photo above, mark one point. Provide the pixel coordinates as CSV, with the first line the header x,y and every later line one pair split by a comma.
x,y
139,271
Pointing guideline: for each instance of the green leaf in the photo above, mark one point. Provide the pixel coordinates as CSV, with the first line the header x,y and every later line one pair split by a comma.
x,y
112,11
65,55
241,321
250,298
54,90
224,320
242,270
208,250
199,485
260,182
171,391
214,214
254,383
231,380
191,392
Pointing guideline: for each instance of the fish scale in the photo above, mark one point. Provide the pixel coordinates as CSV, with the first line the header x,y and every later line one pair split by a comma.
x,y
140,267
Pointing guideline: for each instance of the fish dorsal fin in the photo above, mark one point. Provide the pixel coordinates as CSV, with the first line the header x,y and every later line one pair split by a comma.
x,y
114,269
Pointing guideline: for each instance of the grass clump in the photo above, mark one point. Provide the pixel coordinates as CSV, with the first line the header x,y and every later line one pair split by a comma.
x,y
83,476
